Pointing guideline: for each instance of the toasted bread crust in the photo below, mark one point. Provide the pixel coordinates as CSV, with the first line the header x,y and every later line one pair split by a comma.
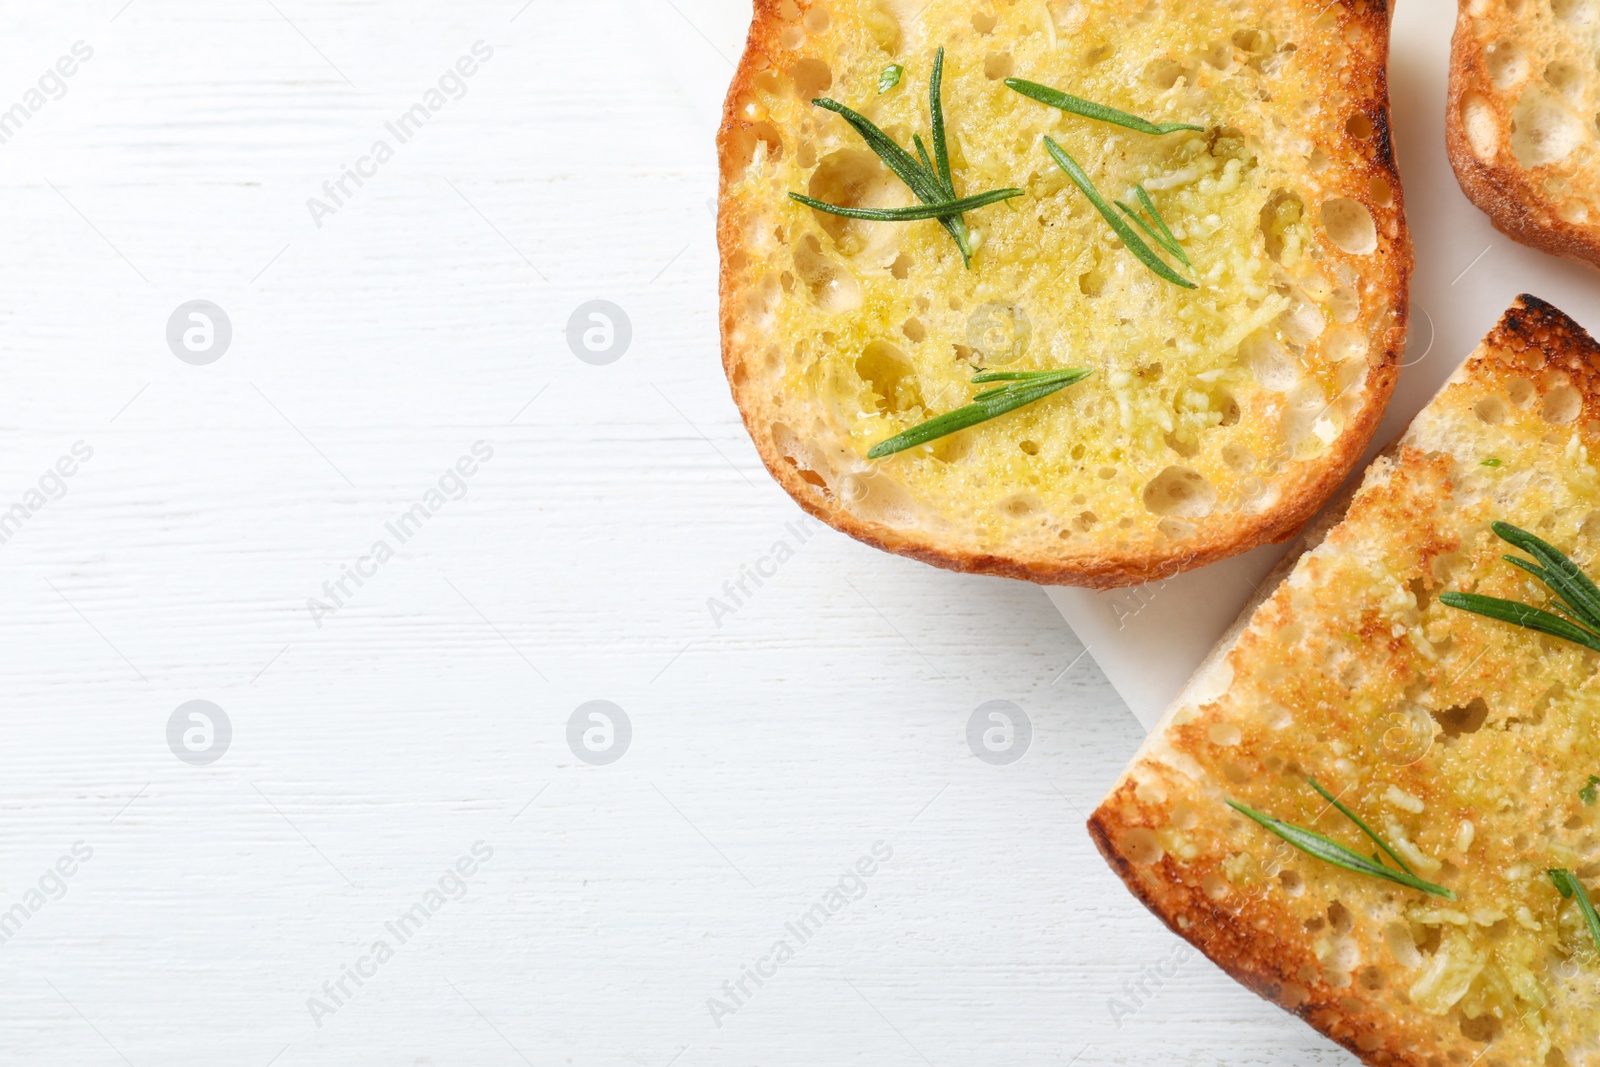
x,y
1513,196
1108,565
1258,932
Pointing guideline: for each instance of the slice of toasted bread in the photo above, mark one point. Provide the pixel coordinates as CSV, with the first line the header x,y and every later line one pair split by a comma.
x,y
1524,93
1216,418
1462,741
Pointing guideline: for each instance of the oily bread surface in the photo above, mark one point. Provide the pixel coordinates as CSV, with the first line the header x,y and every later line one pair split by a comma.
x,y
1216,419
1521,123
1462,740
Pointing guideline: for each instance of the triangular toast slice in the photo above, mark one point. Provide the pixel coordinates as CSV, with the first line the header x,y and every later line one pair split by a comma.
x,y
1463,742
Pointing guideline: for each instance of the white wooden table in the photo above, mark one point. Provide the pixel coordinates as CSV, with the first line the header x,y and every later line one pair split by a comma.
x,y
378,740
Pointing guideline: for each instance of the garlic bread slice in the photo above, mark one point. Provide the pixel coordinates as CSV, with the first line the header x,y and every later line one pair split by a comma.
x,y
1238,291
1466,743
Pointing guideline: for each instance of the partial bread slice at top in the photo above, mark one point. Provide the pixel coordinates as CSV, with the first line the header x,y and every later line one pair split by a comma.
x,y
1521,123
1216,418
1462,741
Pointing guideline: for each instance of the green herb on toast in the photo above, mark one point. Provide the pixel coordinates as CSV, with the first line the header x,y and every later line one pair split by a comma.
x,y
928,178
1575,614
1091,110
1021,388
1329,851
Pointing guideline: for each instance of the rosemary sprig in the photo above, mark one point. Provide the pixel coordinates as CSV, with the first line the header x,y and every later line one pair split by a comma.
x,y
1132,240
1164,238
1353,817
909,214
1023,388
1490,462
1568,886
890,77
1576,614
1314,844
1091,110
929,179
1591,792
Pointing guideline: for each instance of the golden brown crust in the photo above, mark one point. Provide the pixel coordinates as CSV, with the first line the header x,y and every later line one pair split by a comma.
x,y
1530,396
1513,196
1109,564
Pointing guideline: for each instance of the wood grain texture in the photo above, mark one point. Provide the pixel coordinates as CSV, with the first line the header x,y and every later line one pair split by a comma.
x,y
769,753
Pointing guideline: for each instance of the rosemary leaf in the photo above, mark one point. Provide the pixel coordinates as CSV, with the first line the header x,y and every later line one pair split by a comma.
x,y
941,151
890,77
1091,110
929,178
1151,232
1588,793
1576,610
1131,239
1568,886
910,214
1353,817
1172,242
1314,844
1523,615
1562,575
987,405
1490,462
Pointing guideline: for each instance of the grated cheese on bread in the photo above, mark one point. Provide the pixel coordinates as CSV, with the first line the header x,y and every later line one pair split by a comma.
x,y
1464,741
1216,419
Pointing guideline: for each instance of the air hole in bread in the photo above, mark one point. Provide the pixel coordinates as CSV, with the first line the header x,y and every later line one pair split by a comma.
x,y
1254,41
1019,506
1176,529
1318,161
1345,305
1478,122
1269,362
914,330
1484,1029
1543,131
817,20
1468,718
811,77
1219,55
1238,457
984,22
1491,410
1215,887
1349,225
833,288
1382,193
1086,521
759,139
1096,54
853,177
1562,404
1565,78
1522,392
901,268
1507,65
997,65
1358,126
1029,447
1575,11
792,37
1279,220
1181,492
886,371
1163,73
1140,846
